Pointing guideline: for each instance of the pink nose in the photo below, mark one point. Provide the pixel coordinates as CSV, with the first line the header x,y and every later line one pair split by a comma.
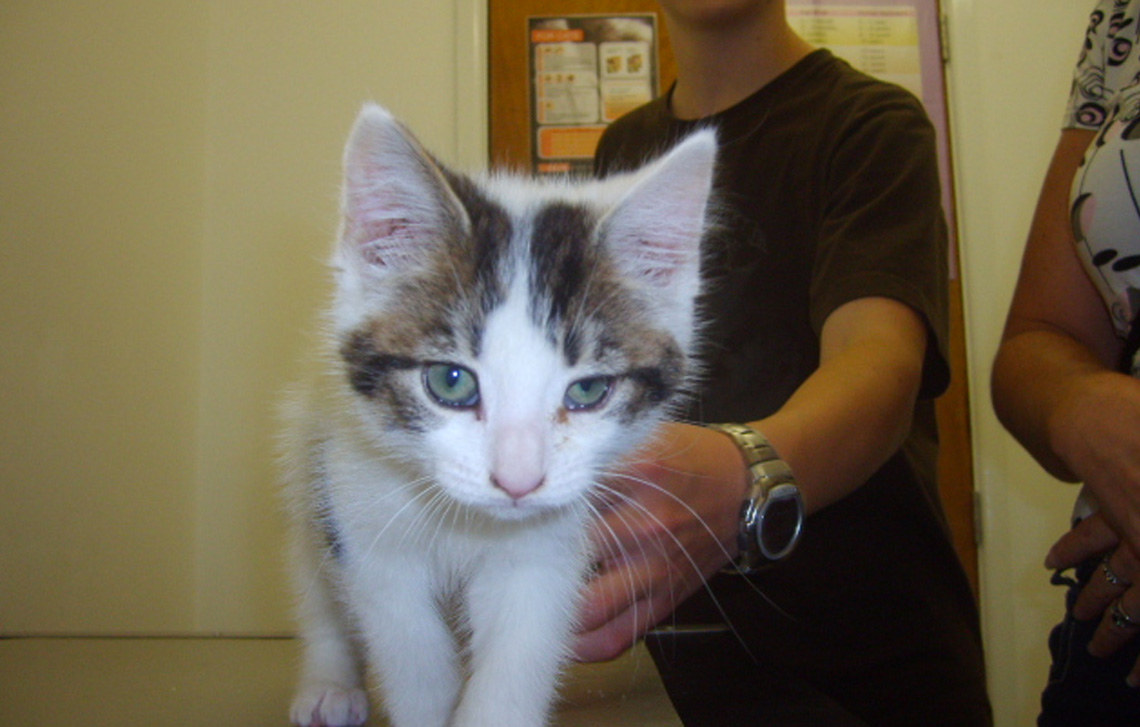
x,y
518,464
517,488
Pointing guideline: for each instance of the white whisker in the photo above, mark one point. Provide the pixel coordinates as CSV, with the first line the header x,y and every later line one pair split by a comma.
x,y
697,517
637,506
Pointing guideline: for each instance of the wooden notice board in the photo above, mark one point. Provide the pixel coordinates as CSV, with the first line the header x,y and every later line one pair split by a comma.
x,y
898,40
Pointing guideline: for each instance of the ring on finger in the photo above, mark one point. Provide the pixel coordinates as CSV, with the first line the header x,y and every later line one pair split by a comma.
x,y
1110,575
1121,618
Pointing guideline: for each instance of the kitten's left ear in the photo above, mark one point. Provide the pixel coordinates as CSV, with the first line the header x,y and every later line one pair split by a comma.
x,y
657,228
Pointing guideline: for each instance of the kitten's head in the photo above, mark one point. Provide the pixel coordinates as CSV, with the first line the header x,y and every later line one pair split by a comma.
x,y
513,337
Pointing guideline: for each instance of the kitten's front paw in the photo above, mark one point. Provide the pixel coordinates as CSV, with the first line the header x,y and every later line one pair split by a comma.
x,y
329,705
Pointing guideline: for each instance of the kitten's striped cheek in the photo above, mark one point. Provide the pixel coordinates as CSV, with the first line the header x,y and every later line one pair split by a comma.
x,y
386,382
653,387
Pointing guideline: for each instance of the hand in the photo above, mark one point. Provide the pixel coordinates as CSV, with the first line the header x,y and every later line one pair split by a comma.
x,y
671,524
1097,434
1113,590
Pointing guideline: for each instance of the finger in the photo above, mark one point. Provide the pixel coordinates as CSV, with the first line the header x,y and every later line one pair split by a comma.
x,y
1118,626
630,566
1090,537
616,612
628,596
609,594
617,635
608,641
1111,579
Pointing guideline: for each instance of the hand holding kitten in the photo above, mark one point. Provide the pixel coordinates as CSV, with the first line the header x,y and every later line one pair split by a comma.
x,y
672,526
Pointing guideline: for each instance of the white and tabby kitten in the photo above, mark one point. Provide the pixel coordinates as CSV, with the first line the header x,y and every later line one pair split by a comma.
x,y
494,345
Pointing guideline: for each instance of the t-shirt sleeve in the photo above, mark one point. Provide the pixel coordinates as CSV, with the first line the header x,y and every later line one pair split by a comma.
x,y
883,232
1091,93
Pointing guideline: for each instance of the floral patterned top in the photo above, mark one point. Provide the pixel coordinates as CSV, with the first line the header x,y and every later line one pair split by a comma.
x,y
1105,196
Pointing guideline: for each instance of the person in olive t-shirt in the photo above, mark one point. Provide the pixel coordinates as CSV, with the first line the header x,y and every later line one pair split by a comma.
x,y
828,333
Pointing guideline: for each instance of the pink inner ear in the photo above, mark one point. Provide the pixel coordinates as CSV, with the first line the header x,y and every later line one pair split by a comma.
x,y
386,241
658,262
375,233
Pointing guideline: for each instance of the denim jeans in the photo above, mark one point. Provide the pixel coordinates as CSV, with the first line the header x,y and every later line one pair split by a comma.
x,y
1084,691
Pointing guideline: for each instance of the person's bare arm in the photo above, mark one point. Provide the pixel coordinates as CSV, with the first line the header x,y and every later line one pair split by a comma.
x,y
1055,388
678,525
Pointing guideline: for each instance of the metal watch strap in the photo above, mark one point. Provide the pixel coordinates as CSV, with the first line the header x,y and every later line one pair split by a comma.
x,y
768,473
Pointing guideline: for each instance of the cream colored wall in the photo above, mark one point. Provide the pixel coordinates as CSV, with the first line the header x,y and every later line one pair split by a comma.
x,y
1009,75
168,183
168,190
286,80
101,117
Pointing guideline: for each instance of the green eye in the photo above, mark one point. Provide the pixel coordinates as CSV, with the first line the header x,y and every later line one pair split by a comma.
x,y
451,385
587,393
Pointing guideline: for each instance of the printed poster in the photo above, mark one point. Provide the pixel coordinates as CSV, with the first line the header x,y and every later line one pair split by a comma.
x,y
881,40
586,71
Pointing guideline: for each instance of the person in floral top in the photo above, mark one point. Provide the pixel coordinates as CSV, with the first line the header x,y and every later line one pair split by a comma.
x,y
1064,380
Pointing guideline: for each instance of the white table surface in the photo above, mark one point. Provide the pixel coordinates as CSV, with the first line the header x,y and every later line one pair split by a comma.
x,y
216,682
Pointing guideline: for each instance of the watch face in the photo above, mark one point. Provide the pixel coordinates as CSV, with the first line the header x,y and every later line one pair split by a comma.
x,y
779,522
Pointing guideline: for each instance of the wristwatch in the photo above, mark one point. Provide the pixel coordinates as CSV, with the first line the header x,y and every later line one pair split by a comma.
x,y
772,514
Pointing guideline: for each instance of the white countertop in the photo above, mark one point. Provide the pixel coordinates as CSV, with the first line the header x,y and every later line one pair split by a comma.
x,y
217,682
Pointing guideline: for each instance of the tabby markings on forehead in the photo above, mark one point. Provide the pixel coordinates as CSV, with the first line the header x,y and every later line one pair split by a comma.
x,y
577,297
443,305
572,281
486,249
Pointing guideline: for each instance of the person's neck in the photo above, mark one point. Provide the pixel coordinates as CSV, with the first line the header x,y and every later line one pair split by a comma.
x,y
720,66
